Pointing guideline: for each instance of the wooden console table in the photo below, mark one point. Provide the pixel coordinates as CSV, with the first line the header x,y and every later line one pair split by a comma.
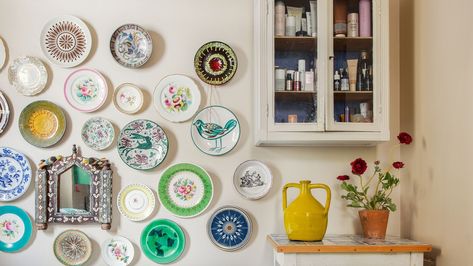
x,y
348,250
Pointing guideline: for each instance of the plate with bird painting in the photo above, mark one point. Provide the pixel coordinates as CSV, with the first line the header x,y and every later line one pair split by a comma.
x,y
143,144
215,130
128,98
98,133
15,228
229,228
86,90
252,179
72,247
15,174
117,251
185,190
163,241
215,63
131,45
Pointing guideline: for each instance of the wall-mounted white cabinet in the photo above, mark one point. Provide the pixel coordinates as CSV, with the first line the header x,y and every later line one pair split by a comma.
x,y
323,79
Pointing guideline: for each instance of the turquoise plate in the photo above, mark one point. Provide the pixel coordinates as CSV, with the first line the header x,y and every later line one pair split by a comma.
x,y
163,241
15,228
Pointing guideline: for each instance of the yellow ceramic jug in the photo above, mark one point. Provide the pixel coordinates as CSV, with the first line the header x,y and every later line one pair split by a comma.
x,y
305,219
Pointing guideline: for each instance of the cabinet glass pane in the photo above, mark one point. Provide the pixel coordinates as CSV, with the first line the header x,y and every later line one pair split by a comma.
x,y
295,57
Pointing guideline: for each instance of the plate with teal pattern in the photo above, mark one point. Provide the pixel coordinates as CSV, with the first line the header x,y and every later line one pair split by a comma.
x,y
163,241
98,133
229,228
185,190
15,174
15,228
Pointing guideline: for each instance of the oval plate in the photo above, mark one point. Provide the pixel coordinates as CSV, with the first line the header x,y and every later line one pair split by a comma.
x,y
15,174
177,98
86,90
4,113
131,45
72,247
252,179
3,54
117,251
98,133
229,228
215,63
185,190
28,75
136,202
128,98
42,123
163,241
15,227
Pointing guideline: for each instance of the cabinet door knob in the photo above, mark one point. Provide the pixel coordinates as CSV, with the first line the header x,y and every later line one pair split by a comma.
x,y
331,57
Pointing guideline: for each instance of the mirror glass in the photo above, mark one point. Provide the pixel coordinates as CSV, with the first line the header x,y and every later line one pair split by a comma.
x,y
74,191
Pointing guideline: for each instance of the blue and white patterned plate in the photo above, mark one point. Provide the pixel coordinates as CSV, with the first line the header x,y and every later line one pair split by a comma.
x,y
15,174
229,228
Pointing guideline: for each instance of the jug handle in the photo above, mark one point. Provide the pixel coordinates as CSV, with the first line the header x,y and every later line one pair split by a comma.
x,y
284,193
329,195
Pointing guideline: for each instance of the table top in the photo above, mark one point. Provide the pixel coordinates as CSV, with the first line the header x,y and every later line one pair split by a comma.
x,y
347,244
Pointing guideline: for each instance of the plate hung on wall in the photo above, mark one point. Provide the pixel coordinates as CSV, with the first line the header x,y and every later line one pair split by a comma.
x,y
15,174
86,90
131,45
136,202
215,63
4,113
128,98
98,133
72,247
117,251
16,228
3,54
230,228
252,179
28,75
163,241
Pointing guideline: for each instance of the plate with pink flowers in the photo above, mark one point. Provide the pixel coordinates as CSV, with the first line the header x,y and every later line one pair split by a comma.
x,y
15,228
128,98
117,251
177,98
86,90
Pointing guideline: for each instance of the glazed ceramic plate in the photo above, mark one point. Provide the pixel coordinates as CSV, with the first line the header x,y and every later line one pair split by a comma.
x,y
117,251
72,247
3,53
98,133
131,45
66,41
252,179
28,75
15,174
16,228
136,202
229,228
4,113
86,90
215,130
185,190
128,98
163,241
215,63
177,98
143,144
42,123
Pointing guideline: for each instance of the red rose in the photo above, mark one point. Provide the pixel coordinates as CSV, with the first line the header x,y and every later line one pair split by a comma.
x,y
404,138
343,177
398,165
358,166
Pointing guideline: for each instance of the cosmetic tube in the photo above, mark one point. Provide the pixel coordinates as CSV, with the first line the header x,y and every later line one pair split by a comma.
x,y
296,12
352,67
313,18
309,23
365,18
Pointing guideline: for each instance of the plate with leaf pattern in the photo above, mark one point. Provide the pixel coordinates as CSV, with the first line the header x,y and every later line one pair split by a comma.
x,y
15,174
163,241
215,63
117,251
131,45
72,247
86,90
15,228
98,133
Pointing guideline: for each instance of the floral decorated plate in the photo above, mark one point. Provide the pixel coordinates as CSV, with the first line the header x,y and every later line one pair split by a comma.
x,y
15,174
86,90
72,247
28,75
229,228
16,228
98,133
252,179
215,63
128,98
117,251
66,41
163,241
142,144
215,130
42,123
177,98
4,113
131,45
3,53
136,202
185,190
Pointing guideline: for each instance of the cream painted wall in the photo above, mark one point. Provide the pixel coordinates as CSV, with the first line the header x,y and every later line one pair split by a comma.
x,y
178,29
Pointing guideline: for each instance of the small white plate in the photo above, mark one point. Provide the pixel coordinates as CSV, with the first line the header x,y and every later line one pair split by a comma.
x,y
117,251
28,75
98,133
252,179
128,98
86,90
3,53
136,202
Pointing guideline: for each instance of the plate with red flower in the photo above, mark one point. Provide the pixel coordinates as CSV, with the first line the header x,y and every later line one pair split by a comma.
x,y
215,63
86,90
117,251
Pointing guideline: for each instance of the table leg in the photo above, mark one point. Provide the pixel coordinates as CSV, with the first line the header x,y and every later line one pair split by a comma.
x,y
417,259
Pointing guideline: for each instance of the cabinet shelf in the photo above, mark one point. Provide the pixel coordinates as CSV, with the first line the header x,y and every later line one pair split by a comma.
x,y
353,95
295,95
353,43
290,43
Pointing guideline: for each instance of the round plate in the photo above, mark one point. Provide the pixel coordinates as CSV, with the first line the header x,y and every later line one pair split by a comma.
x,y
117,251
72,247
42,123
163,241
4,112
185,190
229,228
252,179
143,144
131,45
66,41
15,174
86,90
98,133
15,228
28,75
128,98
3,53
136,202
177,98
215,130
215,63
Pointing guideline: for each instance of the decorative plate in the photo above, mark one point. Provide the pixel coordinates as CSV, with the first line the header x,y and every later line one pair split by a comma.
x,y
177,98
128,98
72,247
136,202
252,179
215,130
143,144
3,54
185,190
163,241
4,112
86,90
66,41
117,251
98,133
229,228
16,228
131,45
15,174
42,123
28,75
215,63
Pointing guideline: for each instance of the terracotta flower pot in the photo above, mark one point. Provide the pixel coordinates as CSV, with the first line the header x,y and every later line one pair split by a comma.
x,y
374,223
